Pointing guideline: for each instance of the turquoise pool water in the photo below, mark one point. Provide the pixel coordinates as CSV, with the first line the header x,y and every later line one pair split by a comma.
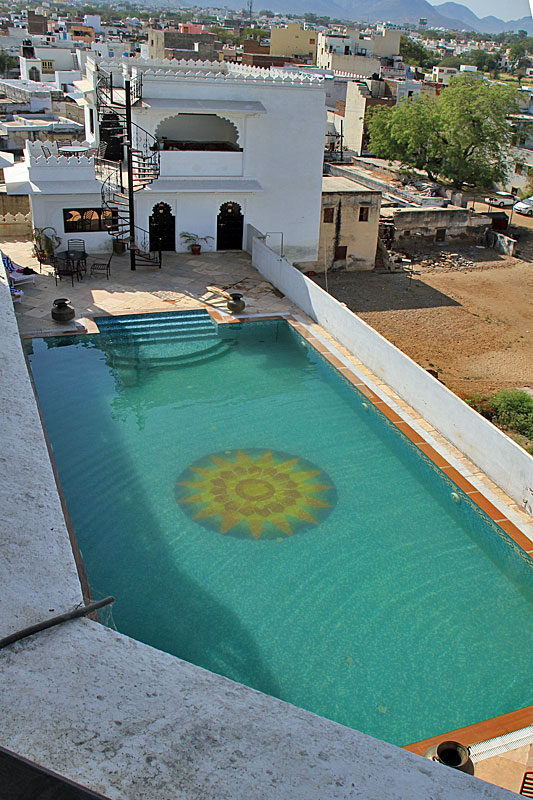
x,y
389,608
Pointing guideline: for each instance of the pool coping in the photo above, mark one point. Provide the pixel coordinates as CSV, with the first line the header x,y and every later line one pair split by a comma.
x,y
478,731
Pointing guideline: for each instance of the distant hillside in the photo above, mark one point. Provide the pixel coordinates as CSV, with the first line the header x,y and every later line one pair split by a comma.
x,y
483,24
453,16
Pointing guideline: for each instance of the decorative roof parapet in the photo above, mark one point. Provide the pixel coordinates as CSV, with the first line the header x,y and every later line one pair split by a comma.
x,y
163,69
46,154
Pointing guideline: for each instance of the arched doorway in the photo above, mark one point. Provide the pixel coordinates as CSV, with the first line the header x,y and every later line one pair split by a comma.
x,y
111,137
230,222
162,228
34,74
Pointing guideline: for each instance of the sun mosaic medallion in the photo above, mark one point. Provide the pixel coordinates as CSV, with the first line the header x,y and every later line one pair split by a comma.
x,y
258,493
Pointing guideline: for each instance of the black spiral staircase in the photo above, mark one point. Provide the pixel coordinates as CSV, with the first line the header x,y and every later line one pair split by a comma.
x,y
127,161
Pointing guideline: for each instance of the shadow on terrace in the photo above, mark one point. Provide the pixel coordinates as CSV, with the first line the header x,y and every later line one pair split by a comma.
x,y
181,283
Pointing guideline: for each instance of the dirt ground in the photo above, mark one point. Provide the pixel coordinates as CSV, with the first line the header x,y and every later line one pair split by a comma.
x,y
471,320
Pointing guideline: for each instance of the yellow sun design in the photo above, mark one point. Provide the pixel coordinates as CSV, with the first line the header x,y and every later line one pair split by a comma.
x,y
257,492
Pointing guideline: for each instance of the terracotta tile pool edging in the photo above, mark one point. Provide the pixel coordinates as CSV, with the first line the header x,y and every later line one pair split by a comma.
x,y
479,731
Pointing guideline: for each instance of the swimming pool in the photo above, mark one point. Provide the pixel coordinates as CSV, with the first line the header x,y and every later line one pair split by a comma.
x,y
253,514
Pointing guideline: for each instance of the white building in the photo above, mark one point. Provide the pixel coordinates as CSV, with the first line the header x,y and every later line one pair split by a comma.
x,y
220,147
41,63
443,74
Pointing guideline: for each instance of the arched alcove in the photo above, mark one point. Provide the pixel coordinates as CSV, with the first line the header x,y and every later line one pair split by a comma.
x,y
34,74
197,132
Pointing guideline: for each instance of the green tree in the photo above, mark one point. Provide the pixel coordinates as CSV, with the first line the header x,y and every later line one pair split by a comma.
x,y
7,62
416,54
463,135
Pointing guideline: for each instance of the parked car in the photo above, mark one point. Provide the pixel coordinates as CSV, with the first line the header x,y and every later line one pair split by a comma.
x,y
525,207
501,199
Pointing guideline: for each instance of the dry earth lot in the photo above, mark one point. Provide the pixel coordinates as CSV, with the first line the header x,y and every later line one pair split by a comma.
x,y
474,324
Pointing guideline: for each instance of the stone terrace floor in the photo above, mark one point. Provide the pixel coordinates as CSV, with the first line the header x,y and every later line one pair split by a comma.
x,y
182,283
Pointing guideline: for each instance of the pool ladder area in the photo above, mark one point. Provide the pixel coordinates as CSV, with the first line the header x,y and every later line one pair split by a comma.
x,y
162,341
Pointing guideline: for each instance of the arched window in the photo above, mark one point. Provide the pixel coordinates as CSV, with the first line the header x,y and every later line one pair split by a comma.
x,y
197,132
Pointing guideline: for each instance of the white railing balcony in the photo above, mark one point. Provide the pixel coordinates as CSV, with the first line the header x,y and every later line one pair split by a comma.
x,y
200,163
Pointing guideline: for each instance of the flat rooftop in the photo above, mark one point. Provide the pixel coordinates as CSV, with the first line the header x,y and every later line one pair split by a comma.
x,y
336,185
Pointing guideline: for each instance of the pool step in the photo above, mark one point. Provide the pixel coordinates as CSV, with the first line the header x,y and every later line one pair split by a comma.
x,y
164,340
142,361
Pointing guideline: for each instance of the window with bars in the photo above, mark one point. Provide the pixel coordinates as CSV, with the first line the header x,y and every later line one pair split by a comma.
x,y
89,220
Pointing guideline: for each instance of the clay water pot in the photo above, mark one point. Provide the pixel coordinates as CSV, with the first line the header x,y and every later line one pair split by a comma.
x,y
452,754
236,304
62,311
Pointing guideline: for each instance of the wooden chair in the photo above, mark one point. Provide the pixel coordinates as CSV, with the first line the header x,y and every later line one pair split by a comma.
x,y
102,267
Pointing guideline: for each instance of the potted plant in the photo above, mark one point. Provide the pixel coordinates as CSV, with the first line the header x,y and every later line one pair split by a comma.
x,y
192,240
45,241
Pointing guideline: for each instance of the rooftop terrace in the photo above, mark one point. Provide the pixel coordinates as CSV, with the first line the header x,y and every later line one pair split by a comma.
x,y
114,714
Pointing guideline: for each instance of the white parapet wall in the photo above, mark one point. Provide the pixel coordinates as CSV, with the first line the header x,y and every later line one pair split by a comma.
x,y
505,462
134,723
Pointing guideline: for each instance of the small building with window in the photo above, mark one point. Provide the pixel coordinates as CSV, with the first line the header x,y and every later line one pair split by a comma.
x,y
348,227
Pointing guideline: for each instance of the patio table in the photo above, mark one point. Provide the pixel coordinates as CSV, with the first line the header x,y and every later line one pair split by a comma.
x,y
70,262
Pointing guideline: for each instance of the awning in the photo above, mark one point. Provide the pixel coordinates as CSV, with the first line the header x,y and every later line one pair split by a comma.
x,y
206,106
204,185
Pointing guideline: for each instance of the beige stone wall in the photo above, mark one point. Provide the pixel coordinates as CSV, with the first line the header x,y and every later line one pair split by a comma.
x,y
347,230
14,203
354,117
387,45
358,65
156,43
293,41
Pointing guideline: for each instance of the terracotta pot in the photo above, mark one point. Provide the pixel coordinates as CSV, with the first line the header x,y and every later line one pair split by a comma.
x,y
196,249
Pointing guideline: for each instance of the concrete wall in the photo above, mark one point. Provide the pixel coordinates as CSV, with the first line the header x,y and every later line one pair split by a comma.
x,y
419,226
359,65
15,225
386,43
14,203
48,211
354,117
499,457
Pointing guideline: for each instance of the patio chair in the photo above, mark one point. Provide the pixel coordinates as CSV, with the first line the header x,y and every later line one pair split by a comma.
x,y
78,246
65,269
14,272
42,258
102,266
16,294
46,151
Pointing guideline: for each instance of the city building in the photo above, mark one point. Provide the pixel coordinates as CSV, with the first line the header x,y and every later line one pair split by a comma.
x,y
294,41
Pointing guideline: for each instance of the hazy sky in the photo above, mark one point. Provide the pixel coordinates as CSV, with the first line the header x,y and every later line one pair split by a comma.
x,y
512,9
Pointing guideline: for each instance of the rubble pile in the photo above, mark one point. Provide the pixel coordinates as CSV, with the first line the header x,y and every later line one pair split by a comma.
x,y
446,261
